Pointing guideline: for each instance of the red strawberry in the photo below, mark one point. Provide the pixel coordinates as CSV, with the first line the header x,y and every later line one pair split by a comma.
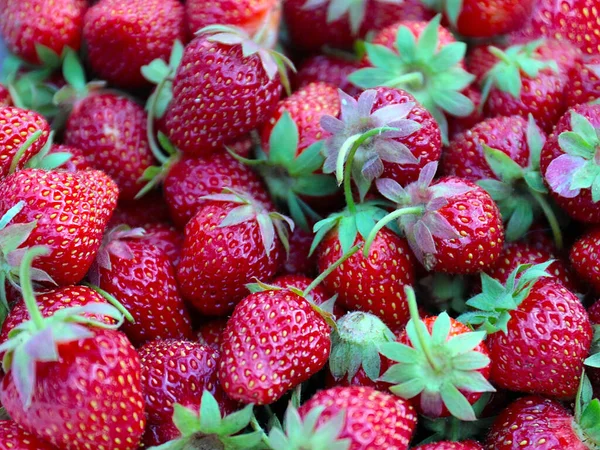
x,y
70,210
239,90
211,333
150,209
327,69
76,162
26,25
584,83
13,437
22,135
231,241
142,278
133,33
538,332
584,259
299,259
274,341
165,237
5,99
569,163
449,445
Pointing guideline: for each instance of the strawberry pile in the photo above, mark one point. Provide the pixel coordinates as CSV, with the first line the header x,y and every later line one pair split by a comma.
x,y
300,225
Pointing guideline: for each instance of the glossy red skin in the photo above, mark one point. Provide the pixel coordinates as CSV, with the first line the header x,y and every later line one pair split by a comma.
x,y
449,445
374,420
150,209
72,211
374,285
464,157
13,437
531,420
16,126
548,338
328,69
211,333
217,262
166,238
306,106
189,179
584,258
77,161
456,328
146,286
234,97
95,384
274,341
460,124
298,259
56,25
581,207
133,33
111,132
584,84
486,18
5,99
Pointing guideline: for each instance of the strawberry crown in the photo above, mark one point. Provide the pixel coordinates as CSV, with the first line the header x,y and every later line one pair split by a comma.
x,y
354,344
378,131
44,159
300,433
77,86
493,306
520,192
437,366
290,177
587,414
579,167
434,77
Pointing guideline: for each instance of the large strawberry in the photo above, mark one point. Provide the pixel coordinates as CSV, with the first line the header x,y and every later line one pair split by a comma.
x,y
229,242
328,69
570,165
90,374
13,437
142,278
584,259
538,332
133,33
69,211
584,83
34,28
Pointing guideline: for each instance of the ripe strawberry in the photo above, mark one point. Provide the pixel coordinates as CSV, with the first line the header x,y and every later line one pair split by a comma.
x,y
22,135
150,209
274,341
449,445
538,332
5,98
299,260
569,163
133,33
27,25
451,224
70,211
13,437
76,162
584,260
239,90
211,333
327,69
584,83
228,243
142,278
164,237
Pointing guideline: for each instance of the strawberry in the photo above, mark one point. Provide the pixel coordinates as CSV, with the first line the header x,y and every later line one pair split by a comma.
x,y
569,163
150,209
228,243
77,160
274,341
583,257
13,437
142,277
70,212
133,33
451,224
584,84
5,98
408,55
22,135
299,260
327,69
164,237
203,116
35,28
91,375
211,333
538,332
449,445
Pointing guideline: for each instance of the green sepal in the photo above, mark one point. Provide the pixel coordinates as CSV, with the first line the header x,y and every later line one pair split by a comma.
x,y
48,57
447,292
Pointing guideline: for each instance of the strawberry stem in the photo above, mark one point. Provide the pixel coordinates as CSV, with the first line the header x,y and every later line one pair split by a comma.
x,y
27,285
550,217
415,80
154,147
112,300
387,219
256,427
330,269
414,316
28,143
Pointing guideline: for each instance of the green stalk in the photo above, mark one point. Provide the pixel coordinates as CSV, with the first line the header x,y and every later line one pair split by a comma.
x,y
113,301
27,285
550,217
414,316
28,143
330,269
158,154
387,219
256,427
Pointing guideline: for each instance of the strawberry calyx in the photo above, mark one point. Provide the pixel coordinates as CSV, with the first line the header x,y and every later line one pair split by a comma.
x,y
579,167
46,160
446,292
354,344
437,366
38,339
154,175
364,139
77,86
291,177
586,423
417,214
303,433
207,428
520,192
433,76
493,306
450,8
269,222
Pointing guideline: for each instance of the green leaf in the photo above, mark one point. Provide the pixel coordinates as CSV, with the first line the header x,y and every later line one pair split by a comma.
x,y
73,72
283,141
593,361
584,177
575,145
582,126
409,389
502,165
441,329
370,77
398,352
535,142
429,38
535,181
210,416
237,421
186,420
457,403
520,221
364,223
406,43
454,103
510,81
347,232
309,161
317,185
176,54
448,56
381,56
47,56
156,71
497,189
464,343
453,9
471,361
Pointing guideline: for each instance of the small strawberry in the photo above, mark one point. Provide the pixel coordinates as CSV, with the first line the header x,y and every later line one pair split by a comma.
x,y
538,332
584,258
299,260
229,242
76,161
328,69
13,437
22,135
449,445
584,83
35,28
69,212
426,61
5,98
570,163
211,333
142,278
133,33
165,237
